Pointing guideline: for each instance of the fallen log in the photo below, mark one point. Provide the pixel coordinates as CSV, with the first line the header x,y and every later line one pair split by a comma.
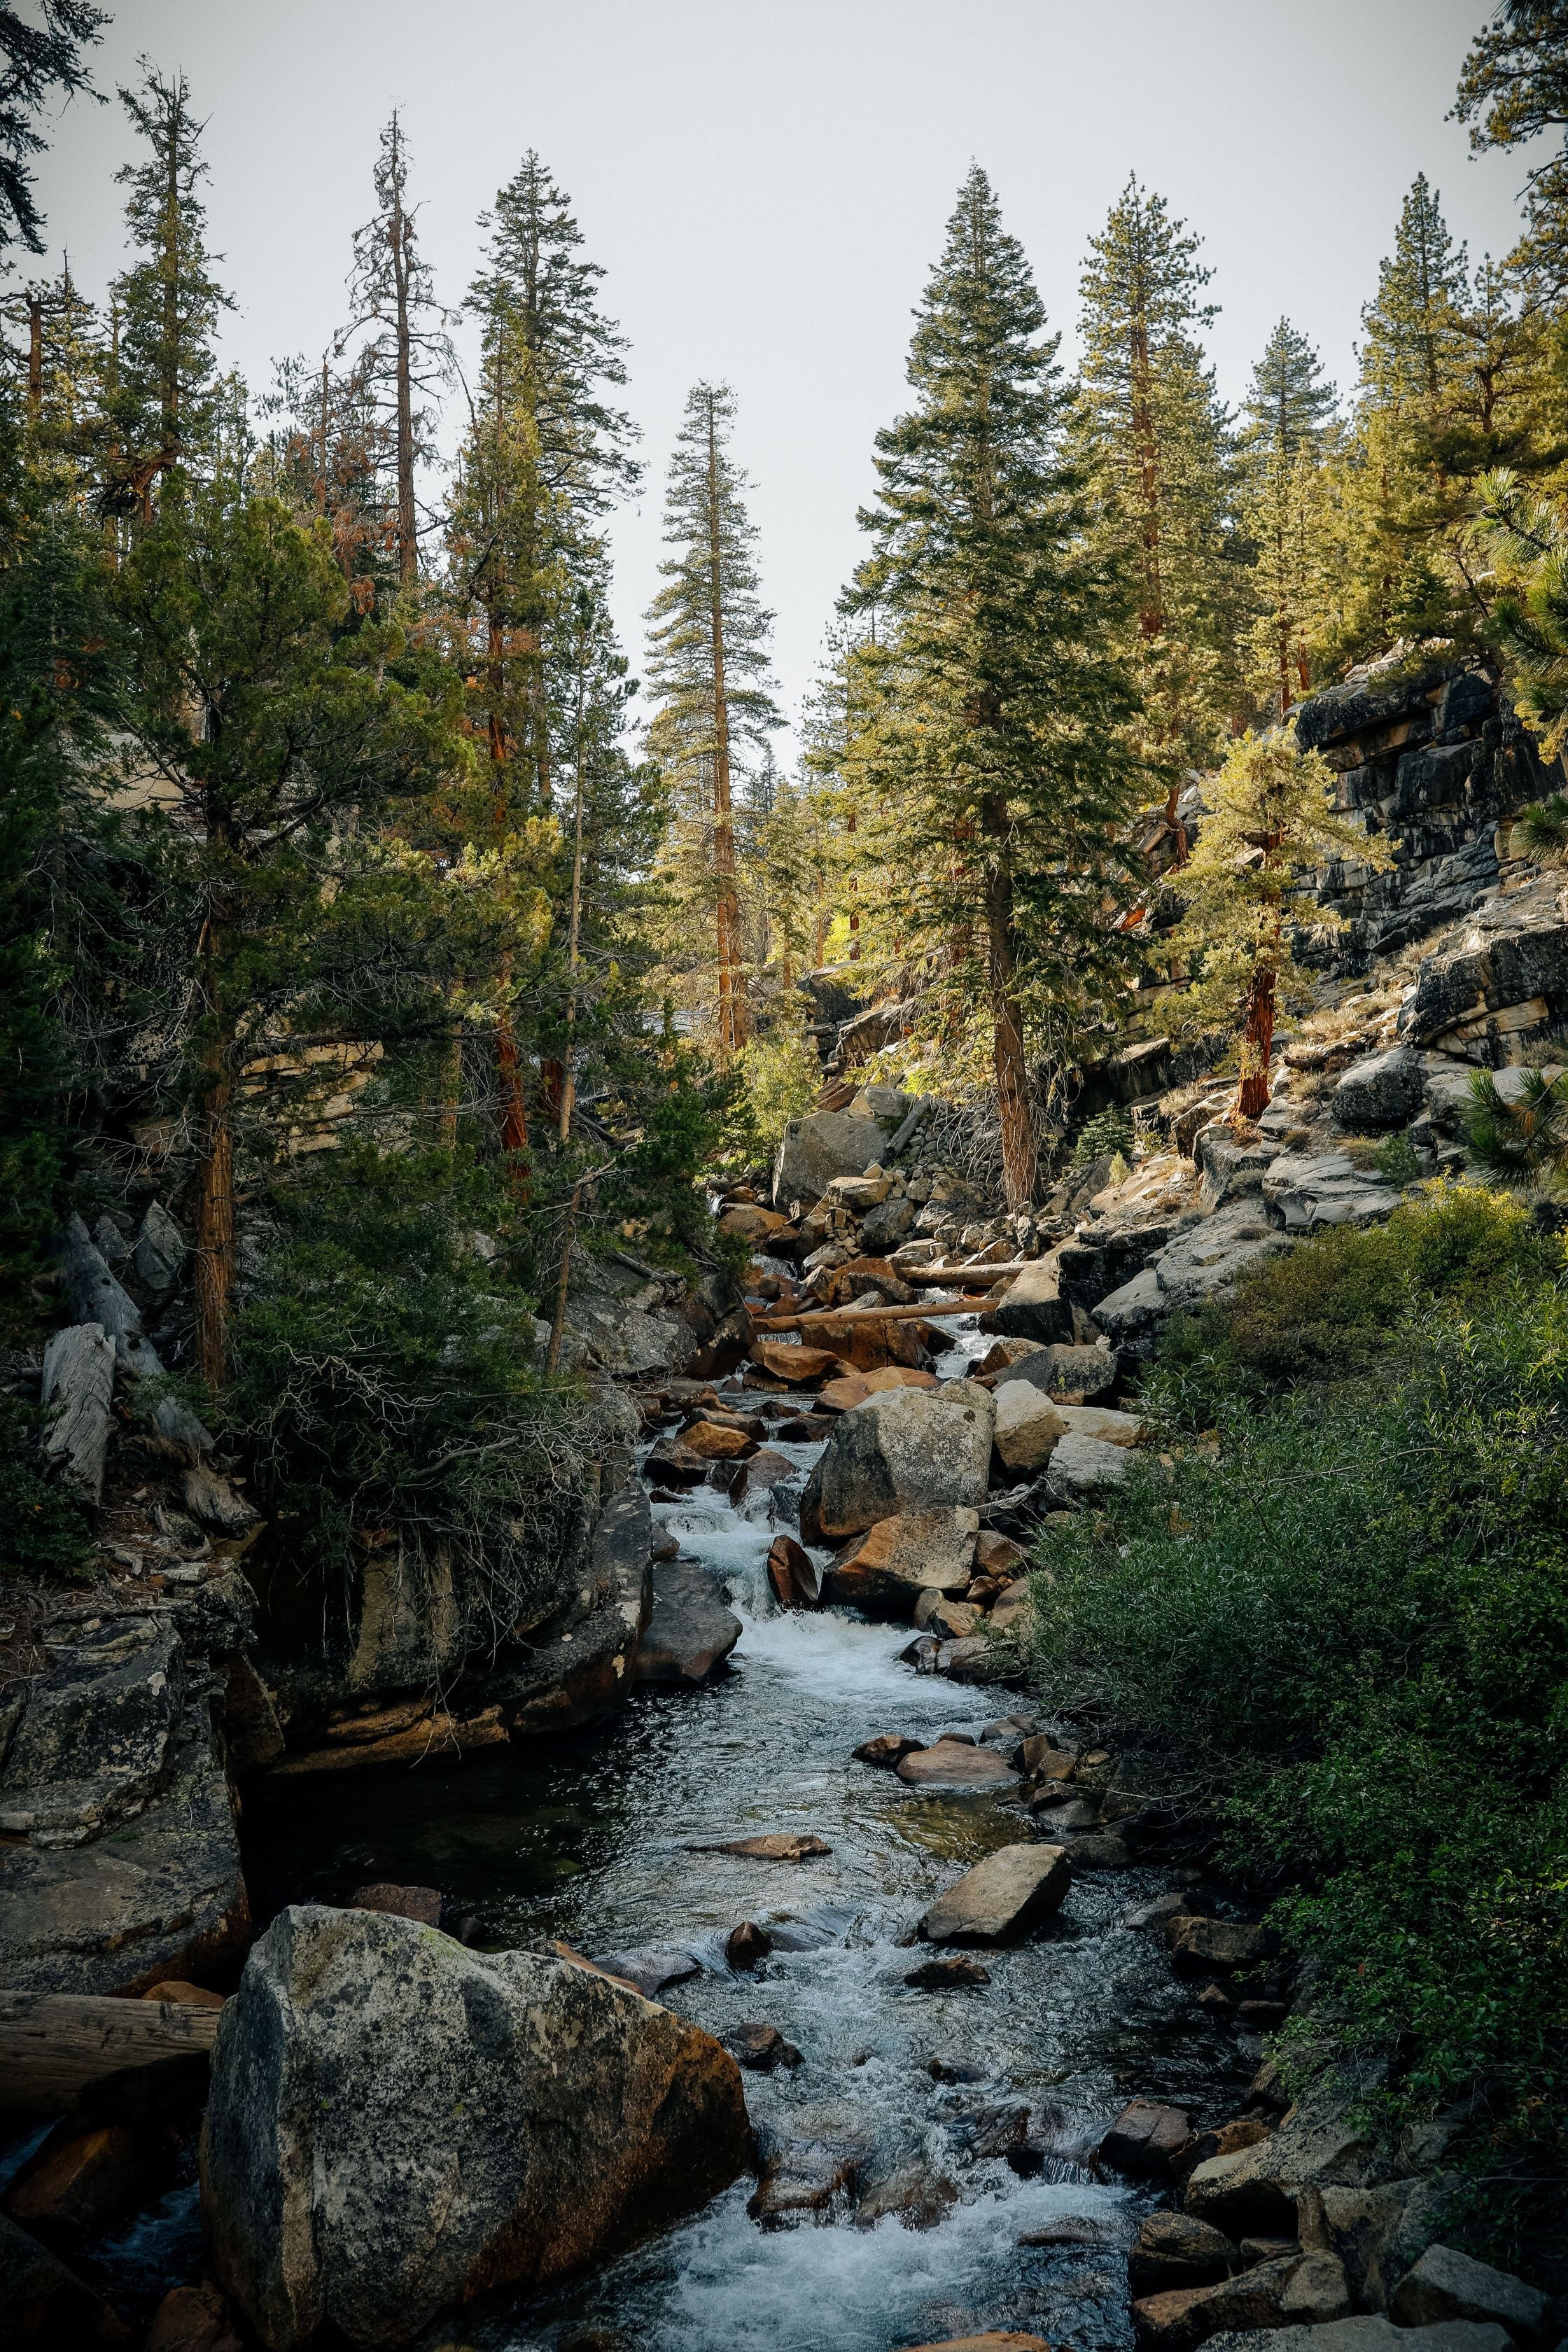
x,y
102,2056
939,1273
924,1312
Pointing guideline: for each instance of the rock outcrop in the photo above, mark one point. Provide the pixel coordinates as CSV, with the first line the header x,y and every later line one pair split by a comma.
x,y
903,1450
398,2126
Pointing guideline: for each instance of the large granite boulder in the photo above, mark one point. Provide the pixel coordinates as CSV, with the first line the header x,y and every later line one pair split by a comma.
x,y
886,1571
690,1633
586,1671
816,1149
1004,1894
1467,995
1325,1188
1383,1090
1028,1425
97,1737
1032,1307
398,2126
77,1392
902,1449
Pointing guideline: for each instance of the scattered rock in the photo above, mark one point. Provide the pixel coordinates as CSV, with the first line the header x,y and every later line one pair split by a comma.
x,y
713,1442
948,2067
761,2048
995,2339
747,1944
420,1903
958,1764
792,1575
1027,1425
1173,2250
393,2118
192,2319
897,1558
1145,2139
977,1659
802,2178
1008,1892
943,1975
906,1450
950,1621
44,2306
690,1633
672,1464
1445,2284
774,1845
888,1750
160,1249
918,2197
1032,1307
73,2190
1206,1948
1081,1469
1369,2334
803,1367
1384,1090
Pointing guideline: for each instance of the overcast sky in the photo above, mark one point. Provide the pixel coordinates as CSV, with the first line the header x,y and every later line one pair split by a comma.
x,y
766,186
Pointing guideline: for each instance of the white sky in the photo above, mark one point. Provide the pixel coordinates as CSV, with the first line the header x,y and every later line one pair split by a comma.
x,y
768,186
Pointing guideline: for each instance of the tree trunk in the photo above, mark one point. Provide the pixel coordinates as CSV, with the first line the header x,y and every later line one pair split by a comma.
x,y
35,359
213,1271
1020,1166
569,1075
732,1004
1257,1042
408,521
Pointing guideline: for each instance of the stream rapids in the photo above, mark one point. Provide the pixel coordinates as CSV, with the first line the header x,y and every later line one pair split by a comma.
x,y
594,1842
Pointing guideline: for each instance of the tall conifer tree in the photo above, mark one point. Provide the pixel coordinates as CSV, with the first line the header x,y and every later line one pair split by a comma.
x,y
391,288
990,720
1155,440
165,398
708,666
1289,411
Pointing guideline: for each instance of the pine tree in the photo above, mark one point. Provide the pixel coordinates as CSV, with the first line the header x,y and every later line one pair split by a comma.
x,y
1270,816
1411,357
1513,89
169,301
391,288
988,717
1155,440
1289,411
38,60
709,666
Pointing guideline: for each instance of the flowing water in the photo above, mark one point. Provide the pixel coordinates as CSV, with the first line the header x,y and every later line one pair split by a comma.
x,y
593,1841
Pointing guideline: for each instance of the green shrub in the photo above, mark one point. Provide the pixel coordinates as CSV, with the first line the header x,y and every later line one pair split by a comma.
x,y
1107,1131
1329,1308
1359,1615
781,1078
45,1528
1396,1159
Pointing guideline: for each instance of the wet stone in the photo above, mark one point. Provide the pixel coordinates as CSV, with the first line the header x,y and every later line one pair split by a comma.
x,y
943,1976
889,1749
747,1944
775,1845
761,2048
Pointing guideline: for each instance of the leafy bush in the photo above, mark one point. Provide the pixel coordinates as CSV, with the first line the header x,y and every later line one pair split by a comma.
x,y
1327,1309
781,1078
386,1375
1359,1611
48,1530
1396,1159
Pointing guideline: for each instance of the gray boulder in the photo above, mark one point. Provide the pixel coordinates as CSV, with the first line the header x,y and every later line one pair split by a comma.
x,y
1325,1188
886,1227
690,1633
902,1449
96,1739
1446,2284
79,1383
1384,1090
1032,1307
160,1249
1008,1892
896,1559
820,1147
1081,1469
1028,1425
1368,2333
398,2126
1067,1375
96,1296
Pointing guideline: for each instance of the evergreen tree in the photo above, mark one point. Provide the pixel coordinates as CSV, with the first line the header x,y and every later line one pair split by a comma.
x,y
1270,816
1411,357
392,288
1155,440
38,60
987,718
1513,89
1289,411
708,667
164,398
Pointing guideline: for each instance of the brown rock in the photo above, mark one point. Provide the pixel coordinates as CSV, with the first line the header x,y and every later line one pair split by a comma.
x,y
888,1750
671,1462
44,2306
713,1443
956,1764
791,1573
761,2047
1003,1895
948,1620
804,2177
1211,1947
802,1428
76,2188
1042,1760
995,2339
881,1342
897,1376
997,1555
919,2198
943,1975
896,1559
747,1944
1144,2140
1173,2250
1246,2131
842,1395
192,2319
186,1996
421,1902
803,1367
776,1845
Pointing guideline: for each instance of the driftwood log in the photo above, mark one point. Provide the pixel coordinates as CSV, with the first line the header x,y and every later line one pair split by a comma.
x,y
102,2056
